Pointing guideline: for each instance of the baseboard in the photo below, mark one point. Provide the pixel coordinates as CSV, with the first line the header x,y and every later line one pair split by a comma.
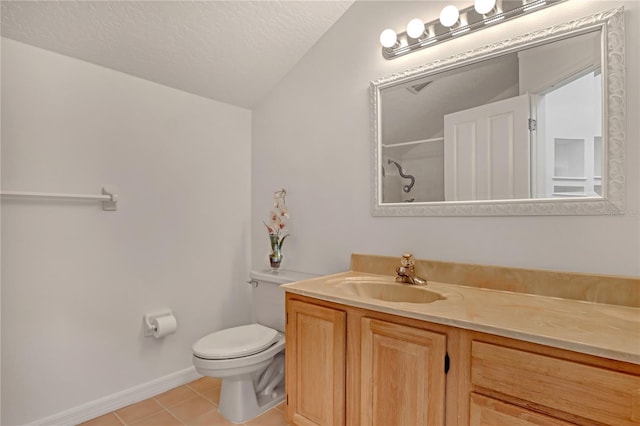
x,y
93,409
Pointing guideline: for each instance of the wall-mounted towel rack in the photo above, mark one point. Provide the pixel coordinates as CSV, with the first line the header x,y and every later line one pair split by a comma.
x,y
109,198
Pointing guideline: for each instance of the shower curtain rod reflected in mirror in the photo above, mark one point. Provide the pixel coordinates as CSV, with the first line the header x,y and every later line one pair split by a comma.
x,y
405,188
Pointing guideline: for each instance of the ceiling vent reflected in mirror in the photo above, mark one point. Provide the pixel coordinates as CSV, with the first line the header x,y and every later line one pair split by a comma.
x,y
417,88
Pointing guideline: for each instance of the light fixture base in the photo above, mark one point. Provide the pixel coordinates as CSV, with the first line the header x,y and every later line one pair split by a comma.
x,y
469,22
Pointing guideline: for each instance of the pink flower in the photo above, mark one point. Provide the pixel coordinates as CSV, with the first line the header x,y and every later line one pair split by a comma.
x,y
278,218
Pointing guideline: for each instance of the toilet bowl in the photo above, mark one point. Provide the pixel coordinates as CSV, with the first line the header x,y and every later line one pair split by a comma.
x,y
250,358
246,360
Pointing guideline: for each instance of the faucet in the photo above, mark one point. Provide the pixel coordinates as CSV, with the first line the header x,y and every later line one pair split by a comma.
x,y
406,271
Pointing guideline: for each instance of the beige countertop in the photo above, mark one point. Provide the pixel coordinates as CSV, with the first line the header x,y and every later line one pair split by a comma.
x,y
610,331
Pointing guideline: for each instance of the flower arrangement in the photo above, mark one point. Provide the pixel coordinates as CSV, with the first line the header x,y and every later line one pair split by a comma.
x,y
275,227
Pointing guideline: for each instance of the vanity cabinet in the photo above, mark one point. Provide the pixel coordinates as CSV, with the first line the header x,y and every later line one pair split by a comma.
x,y
352,366
395,367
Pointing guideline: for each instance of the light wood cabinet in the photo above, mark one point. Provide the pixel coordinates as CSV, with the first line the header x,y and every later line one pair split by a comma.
x,y
402,381
489,411
315,364
394,372
553,383
356,367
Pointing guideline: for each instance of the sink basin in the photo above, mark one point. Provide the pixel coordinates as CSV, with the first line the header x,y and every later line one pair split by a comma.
x,y
389,291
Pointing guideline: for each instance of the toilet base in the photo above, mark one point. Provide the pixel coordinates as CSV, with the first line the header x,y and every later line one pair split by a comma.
x,y
239,402
246,396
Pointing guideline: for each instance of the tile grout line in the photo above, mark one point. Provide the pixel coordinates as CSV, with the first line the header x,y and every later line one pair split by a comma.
x,y
197,394
153,398
202,395
215,405
119,419
165,408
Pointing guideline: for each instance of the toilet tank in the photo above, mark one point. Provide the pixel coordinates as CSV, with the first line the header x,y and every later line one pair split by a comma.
x,y
268,297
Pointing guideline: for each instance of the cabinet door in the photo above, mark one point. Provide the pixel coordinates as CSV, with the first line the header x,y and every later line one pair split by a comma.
x,y
402,375
315,364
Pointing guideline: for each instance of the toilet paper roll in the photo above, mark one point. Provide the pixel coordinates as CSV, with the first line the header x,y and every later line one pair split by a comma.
x,y
164,326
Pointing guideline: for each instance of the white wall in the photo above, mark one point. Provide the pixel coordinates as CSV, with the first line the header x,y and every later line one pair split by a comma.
x,y
311,135
76,280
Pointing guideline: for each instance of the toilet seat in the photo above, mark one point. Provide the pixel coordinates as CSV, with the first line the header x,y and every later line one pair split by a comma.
x,y
235,342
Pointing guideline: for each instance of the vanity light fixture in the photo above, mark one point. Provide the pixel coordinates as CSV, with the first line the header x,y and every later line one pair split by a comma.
x,y
389,38
415,28
484,7
449,16
533,5
454,23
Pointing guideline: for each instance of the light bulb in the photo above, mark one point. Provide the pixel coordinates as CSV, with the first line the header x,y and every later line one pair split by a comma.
x,y
484,6
388,38
415,28
449,16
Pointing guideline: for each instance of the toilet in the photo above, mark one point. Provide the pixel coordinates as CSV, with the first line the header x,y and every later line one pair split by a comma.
x,y
250,358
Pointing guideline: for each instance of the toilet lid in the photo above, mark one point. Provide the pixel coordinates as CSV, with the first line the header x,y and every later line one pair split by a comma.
x,y
235,342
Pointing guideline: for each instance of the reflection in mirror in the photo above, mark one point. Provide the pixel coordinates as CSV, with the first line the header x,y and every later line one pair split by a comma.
x,y
439,128
518,122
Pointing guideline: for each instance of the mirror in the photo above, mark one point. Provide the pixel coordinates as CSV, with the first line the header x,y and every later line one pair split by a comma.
x,y
528,126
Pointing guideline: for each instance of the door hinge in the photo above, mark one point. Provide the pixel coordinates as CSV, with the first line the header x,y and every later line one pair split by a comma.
x,y
447,362
533,124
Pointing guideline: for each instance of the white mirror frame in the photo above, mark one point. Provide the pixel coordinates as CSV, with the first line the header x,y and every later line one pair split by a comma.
x,y
611,24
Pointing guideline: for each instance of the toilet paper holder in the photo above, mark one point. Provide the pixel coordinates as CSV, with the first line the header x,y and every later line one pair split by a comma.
x,y
150,328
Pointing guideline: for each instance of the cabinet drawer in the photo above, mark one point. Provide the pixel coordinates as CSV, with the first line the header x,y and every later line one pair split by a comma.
x,y
491,412
593,393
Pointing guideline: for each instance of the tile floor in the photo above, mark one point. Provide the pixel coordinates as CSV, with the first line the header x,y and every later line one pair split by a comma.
x,y
195,403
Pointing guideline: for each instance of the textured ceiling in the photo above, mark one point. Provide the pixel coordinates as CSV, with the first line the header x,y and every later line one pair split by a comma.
x,y
231,51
